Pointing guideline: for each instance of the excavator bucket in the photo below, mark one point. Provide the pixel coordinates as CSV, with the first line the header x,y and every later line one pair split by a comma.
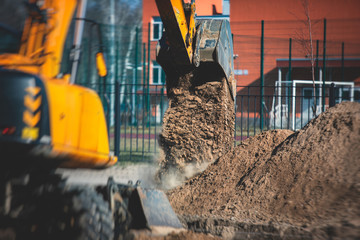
x,y
212,47
157,211
148,208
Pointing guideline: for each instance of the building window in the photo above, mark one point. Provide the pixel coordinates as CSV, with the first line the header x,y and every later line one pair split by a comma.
x,y
241,72
157,27
158,74
343,94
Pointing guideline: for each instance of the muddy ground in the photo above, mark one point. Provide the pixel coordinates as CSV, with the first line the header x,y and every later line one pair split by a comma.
x,y
282,185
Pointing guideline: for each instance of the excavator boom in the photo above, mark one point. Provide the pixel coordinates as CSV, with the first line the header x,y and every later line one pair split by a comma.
x,y
179,22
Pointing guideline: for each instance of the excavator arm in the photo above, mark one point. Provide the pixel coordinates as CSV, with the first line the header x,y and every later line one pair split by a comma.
x,y
179,21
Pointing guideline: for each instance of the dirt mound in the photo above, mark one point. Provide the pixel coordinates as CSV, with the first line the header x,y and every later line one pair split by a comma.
x,y
310,177
199,123
215,191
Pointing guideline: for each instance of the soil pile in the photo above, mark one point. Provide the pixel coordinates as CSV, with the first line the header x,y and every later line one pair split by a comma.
x,y
199,124
310,177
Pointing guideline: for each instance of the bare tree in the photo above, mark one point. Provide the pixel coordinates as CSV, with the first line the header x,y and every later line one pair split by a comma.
x,y
306,41
305,4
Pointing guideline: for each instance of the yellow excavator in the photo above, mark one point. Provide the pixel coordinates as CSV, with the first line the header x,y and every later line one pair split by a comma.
x,y
47,121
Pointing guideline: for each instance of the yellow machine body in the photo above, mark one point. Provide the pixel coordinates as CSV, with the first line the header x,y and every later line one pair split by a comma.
x,y
78,132
78,125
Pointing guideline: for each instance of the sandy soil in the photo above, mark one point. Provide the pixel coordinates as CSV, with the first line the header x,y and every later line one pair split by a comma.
x,y
308,179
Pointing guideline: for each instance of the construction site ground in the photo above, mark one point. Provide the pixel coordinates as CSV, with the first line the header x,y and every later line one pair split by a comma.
x,y
279,184
282,184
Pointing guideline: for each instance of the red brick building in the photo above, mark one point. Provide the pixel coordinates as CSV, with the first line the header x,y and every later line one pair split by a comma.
x,y
283,19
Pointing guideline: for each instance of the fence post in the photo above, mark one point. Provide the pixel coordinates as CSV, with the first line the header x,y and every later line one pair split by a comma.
x,y
317,59
332,95
290,55
134,87
148,77
117,105
289,77
342,62
117,118
144,66
143,101
324,68
262,77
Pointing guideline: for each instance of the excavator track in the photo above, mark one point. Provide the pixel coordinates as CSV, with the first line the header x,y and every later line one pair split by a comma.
x,y
43,207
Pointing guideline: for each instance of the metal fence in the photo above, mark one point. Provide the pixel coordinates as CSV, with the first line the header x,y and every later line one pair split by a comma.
x,y
138,119
270,66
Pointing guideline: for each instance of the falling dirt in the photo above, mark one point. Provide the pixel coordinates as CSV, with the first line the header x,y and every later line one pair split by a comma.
x,y
308,180
199,123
